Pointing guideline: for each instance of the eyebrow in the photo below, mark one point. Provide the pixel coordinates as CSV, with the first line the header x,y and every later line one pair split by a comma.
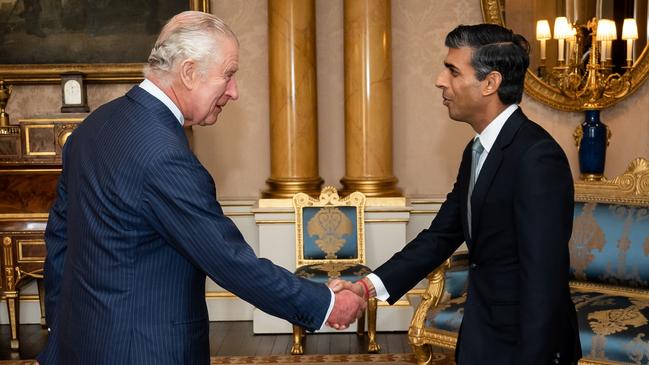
x,y
451,66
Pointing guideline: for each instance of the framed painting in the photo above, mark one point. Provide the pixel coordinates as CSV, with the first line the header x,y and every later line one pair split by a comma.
x,y
108,40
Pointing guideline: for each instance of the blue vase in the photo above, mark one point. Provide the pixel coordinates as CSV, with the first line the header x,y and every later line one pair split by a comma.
x,y
592,148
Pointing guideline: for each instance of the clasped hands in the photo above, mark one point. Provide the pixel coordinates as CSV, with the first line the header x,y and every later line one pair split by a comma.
x,y
349,305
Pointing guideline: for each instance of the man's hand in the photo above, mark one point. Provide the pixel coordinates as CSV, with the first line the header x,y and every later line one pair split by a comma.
x,y
348,307
338,284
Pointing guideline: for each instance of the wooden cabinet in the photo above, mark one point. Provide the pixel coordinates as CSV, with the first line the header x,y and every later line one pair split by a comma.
x,y
30,164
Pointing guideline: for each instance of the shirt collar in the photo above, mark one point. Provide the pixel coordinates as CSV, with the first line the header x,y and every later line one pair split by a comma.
x,y
490,133
155,91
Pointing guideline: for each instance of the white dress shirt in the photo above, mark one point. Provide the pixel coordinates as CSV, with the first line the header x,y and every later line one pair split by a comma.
x,y
487,139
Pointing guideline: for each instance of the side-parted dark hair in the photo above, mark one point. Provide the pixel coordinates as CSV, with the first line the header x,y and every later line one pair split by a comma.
x,y
495,48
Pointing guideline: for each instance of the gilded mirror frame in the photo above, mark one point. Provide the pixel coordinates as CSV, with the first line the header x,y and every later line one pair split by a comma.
x,y
551,96
95,72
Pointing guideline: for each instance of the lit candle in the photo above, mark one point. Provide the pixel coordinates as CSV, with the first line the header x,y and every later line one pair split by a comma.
x,y
629,33
543,34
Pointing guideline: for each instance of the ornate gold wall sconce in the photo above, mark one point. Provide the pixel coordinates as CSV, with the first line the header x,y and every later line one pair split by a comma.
x,y
584,64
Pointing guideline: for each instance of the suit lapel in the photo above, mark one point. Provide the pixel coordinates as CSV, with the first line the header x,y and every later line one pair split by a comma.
x,y
463,177
492,164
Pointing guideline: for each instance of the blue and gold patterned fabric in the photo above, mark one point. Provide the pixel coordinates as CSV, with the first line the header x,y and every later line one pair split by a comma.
x,y
613,327
330,233
333,270
610,244
447,315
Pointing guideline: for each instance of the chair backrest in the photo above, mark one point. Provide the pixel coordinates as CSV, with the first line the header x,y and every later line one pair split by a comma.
x,y
610,237
329,228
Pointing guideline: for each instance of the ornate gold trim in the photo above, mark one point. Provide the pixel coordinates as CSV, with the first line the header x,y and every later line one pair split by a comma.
x,y
28,151
24,297
22,242
632,187
387,220
55,171
610,289
435,337
100,72
23,216
553,97
329,198
274,221
421,211
220,295
51,120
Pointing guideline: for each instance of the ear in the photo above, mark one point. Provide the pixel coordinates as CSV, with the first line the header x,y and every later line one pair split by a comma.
x,y
189,73
492,83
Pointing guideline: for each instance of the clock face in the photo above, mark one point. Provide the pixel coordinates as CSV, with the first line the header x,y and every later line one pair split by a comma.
x,y
72,92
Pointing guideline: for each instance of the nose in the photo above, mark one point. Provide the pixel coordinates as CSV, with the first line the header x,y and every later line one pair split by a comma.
x,y
232,90
441,80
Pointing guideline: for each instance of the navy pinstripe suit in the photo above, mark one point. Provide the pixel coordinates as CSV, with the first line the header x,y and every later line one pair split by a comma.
x,y
134,229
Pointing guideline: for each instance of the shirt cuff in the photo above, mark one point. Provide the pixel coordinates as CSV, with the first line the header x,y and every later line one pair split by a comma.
x,y
381,291
331,307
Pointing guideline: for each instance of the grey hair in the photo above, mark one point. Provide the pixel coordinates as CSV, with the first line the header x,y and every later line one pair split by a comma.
x,y
190,34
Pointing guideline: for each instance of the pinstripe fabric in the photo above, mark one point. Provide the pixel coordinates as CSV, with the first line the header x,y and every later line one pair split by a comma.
x,y
133,232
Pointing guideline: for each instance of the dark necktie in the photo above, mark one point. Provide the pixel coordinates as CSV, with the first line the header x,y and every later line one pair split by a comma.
x,y
476,150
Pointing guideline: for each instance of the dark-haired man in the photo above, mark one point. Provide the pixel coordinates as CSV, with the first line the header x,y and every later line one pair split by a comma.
x,y
512,203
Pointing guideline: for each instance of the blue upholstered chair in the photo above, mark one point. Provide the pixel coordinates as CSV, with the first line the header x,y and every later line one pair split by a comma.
x,y
609,266
330,241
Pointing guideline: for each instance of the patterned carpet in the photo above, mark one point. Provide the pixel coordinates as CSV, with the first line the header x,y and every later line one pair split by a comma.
x,y
356,359
360,359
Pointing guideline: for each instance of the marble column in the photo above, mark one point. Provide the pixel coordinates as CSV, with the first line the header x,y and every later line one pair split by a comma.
x,y
368,99
293,111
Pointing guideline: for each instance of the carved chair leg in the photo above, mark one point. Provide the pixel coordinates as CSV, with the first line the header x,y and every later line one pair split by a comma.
x,y
298,348
41,300
423,353
13,306
360,325
372,347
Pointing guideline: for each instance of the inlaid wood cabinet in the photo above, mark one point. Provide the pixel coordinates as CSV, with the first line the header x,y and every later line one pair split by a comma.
x,y
30,164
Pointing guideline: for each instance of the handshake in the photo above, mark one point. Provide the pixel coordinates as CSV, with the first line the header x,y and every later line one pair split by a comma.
x,y
350,302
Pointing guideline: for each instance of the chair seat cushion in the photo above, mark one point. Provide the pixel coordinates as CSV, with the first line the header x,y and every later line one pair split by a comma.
x,y
332,270
611,327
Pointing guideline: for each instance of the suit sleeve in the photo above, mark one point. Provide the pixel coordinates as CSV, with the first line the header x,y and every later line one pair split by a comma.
x,y
56,246
543,213
179,202
427,251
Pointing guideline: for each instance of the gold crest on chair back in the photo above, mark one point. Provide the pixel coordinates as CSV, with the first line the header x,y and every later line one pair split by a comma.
x,y
330,244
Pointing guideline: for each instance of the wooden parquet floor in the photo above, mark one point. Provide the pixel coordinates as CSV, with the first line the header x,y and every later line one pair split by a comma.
x,y
234,342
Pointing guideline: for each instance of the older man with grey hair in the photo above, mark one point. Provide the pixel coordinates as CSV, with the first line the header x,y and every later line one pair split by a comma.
x,y
136,226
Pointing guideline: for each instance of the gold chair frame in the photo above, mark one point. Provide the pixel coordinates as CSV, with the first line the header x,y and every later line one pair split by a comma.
x,y
329,198
630,188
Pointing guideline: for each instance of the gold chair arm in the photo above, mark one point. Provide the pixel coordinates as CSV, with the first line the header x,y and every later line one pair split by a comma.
x,y
431,297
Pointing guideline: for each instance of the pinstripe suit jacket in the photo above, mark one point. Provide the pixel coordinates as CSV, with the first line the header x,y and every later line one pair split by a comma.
x,y
133,232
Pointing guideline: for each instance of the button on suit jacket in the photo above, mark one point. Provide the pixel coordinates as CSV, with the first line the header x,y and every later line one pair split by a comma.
x,y
518,308
133,232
